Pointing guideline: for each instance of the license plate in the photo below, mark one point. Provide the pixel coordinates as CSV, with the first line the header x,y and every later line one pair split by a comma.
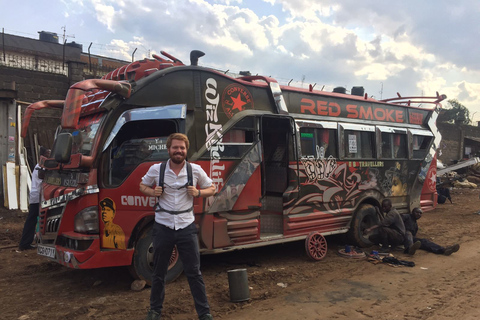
x,y
46,251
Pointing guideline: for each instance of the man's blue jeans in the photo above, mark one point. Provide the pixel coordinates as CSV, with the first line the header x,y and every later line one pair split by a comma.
x,y
28,233
164,239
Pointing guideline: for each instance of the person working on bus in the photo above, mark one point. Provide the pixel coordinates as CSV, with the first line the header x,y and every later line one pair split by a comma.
x,y
34,205
391,230
411,227
174,224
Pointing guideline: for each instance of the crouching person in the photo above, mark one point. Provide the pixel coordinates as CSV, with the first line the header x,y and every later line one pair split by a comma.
x,y
390,232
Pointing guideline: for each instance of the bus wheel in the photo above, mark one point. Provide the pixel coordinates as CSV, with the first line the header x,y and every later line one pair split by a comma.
x,y
316,246
142,265
364,218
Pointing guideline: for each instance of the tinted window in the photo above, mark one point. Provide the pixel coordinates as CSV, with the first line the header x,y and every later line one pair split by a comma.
x,y
359,144
323,140
237,141
137,142
394,145
421,145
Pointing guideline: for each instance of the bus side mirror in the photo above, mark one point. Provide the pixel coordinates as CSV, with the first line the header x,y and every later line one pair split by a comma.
x,y
63,147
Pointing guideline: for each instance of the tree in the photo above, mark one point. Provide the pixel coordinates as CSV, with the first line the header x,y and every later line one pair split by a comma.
x,y
455,112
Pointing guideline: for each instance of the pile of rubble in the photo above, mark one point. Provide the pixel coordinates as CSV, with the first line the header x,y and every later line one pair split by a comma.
x,y
466,177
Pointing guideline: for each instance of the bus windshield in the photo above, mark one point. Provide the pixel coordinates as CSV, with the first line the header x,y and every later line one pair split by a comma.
x,y
84,135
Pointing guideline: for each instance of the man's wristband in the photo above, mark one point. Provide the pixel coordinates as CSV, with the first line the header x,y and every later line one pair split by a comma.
x,y
199,193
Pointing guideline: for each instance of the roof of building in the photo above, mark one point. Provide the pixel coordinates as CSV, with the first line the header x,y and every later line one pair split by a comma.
x,y
39,47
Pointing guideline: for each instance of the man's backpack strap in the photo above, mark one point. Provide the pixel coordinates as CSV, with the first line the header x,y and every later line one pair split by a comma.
x,y
161,175
189,174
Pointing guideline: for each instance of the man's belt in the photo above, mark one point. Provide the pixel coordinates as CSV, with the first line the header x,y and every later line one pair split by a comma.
x,y
157,207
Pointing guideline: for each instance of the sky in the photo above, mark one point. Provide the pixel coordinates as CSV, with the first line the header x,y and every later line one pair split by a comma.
x,y
410,47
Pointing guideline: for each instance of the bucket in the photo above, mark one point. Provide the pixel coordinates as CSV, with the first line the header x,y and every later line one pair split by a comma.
x,y
238,284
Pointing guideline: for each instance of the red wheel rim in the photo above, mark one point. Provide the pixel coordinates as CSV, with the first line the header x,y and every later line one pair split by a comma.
x,y
316,246
173,258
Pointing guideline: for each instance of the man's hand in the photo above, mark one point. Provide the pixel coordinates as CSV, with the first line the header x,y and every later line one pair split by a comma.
x,y
194,192
368,230
148,191
158,191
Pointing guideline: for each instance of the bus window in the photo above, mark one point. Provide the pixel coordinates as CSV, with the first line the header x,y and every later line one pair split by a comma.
x,y
137,142
307,141
359,144
394,145
237,141
234,136
420,146
324,139
387,146
400,146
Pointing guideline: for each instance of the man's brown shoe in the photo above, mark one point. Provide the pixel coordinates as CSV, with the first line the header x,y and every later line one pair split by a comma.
x,y
414,247
451,249
153,315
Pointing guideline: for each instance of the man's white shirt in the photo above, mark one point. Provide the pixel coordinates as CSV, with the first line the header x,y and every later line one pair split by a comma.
x,y
175,198
35,186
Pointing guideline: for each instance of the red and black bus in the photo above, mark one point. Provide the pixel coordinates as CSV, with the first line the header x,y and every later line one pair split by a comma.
x,y
288,163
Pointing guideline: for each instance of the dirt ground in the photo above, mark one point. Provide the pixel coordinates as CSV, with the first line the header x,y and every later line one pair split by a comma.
x,y
284,283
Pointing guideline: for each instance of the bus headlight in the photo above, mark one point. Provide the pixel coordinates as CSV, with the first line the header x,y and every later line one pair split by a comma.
x,y
86,221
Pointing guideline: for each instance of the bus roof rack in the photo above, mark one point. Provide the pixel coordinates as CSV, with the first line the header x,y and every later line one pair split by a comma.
x,y
416,100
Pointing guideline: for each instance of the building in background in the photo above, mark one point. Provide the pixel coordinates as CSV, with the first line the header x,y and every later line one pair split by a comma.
x,y
32,70
459,142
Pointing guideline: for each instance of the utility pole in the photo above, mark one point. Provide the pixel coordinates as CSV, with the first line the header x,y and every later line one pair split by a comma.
x,y
473,116
64,28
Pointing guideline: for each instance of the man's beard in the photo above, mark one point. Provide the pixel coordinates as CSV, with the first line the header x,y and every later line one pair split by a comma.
x,y
175,160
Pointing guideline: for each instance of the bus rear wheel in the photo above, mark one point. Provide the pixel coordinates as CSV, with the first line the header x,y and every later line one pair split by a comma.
x,y
142,264
364,218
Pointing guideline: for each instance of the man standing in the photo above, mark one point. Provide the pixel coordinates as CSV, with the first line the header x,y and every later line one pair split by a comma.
x,y
391,230
34,205
174,224
411,226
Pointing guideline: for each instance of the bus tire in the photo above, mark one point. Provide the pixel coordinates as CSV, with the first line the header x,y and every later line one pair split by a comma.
x,y
364,218
142,264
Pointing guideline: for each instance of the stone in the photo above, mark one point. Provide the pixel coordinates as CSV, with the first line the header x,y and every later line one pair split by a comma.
x,y
138,285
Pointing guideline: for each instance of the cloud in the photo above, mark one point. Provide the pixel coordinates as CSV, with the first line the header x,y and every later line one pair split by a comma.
x,y
307,9
228,2
124,50
468,92
405,46
106,13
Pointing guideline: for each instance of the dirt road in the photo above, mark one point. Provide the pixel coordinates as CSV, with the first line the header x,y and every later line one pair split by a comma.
x,y
284,283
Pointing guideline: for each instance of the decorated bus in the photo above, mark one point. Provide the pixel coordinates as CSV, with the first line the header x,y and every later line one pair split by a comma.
x,y
288,164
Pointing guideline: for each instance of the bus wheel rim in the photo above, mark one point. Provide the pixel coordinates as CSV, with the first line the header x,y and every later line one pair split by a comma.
x,y
173,258
316,246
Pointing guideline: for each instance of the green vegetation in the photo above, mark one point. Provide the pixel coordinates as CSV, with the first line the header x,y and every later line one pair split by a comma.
x,y
454,112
